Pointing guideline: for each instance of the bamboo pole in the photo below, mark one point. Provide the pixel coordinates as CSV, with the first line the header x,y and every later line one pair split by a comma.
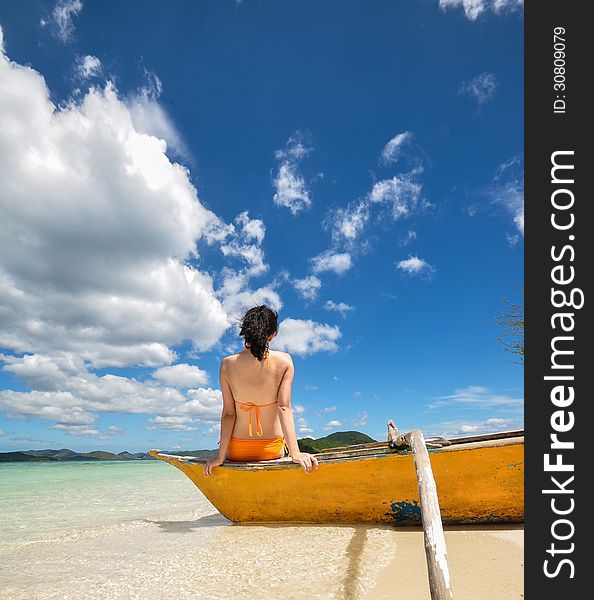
x,y
435,545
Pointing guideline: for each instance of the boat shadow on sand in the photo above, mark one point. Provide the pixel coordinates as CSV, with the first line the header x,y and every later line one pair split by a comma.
x,y
218,520
213,520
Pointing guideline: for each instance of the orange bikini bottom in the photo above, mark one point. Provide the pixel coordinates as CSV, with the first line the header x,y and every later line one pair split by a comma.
x,y
259,449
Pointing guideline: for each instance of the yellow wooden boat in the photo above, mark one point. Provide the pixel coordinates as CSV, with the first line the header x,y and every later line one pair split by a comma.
x,y
480,479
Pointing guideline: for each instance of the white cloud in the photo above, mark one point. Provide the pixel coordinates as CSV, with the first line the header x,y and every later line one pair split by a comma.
x,y
171,423
348,223
88,432
82,431
182,375
65,391
340,307
474,8
414,265
401,194
507,190
245,243
204,404
393,149
360,420
237,297
481,88
327,409
303,426
306,337
251,229
115,430
149,116
407,238
43,372
308,287
512,240
463,428
97,225
245,238
519,220
252,254
505,193
336,262
296,148
63,407
62,17
291,190
332,425
88,66
474,396
499,6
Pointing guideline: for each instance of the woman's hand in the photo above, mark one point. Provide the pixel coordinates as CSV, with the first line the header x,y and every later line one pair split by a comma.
x,y
214,461
307,461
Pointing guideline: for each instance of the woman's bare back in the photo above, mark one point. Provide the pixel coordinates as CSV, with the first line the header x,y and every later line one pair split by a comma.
x,y
256,381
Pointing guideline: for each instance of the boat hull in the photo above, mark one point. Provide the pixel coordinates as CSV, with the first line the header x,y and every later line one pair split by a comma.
x,y
476,483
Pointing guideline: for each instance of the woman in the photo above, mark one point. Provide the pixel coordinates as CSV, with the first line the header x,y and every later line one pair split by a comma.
x,y
256,386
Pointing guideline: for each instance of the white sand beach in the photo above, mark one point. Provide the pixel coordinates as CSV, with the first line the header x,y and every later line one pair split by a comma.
x,y
141,530
484,562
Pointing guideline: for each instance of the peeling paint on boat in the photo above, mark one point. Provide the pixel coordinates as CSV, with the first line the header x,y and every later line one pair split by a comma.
x,y
409,512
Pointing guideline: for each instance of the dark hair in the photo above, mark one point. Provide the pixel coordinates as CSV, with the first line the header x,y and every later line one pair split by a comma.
x,y
257,325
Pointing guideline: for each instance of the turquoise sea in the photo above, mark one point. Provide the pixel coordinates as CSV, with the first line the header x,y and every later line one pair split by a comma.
x,y
141,529
46,500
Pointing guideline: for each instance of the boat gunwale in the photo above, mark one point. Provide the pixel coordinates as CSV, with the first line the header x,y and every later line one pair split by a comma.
x,y
362,451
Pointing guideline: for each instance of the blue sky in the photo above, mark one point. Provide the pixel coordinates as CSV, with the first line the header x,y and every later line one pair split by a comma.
x,y
357,165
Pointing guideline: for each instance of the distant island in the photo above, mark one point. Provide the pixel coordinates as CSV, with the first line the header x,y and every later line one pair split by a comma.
x,y
334,440
67,455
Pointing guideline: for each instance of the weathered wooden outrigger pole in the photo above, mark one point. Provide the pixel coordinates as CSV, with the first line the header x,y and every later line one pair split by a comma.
x,y
435,546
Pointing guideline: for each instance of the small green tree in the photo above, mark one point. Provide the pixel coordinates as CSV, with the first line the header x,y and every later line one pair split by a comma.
x,y
512,320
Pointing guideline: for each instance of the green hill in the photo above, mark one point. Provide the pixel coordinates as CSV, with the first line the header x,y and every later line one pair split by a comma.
x,y
334,440
48,453
22,456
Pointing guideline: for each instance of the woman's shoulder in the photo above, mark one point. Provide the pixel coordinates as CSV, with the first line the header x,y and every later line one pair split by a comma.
x,y
283,357
228,360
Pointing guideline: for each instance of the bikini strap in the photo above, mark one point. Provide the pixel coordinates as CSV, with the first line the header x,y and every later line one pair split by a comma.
x,y
249,407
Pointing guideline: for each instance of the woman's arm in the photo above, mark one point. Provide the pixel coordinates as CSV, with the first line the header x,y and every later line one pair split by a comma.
x,y
227,422
285,412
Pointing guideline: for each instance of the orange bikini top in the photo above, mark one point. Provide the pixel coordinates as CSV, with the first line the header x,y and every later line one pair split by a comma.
x,y
249,407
